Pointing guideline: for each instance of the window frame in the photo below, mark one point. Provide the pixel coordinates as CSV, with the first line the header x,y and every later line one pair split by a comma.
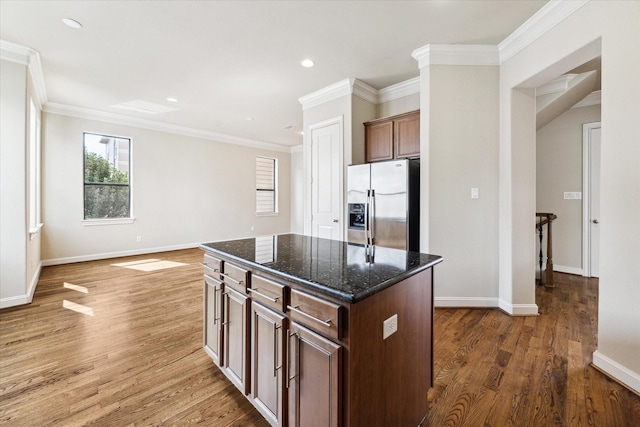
x,y
35,161
274,190
108,221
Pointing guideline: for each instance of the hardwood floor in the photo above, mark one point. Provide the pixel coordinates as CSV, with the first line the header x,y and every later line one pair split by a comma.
x,y
492,369
109,345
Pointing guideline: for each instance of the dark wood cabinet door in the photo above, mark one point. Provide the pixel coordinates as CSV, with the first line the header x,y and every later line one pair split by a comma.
x,y
313,369
378,141
235,333
407,136
267,358
213,318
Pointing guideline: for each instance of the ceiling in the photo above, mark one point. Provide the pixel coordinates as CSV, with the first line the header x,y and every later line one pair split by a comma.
x,y
234,66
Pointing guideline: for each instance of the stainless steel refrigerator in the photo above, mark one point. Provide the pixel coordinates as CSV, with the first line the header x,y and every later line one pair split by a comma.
x,y
383,200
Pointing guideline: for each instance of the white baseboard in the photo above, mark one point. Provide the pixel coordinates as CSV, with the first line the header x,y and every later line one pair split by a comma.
x,y
26,298
487,302
618,372
460,302
107,255
34,282
15,300
568,270
518,309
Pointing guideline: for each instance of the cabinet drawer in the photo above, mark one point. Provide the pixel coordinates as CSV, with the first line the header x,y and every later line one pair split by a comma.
x,y
320,315
268,293
212,266
235,277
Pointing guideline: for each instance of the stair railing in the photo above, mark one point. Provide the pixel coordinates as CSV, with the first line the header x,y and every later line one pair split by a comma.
x,y
542,220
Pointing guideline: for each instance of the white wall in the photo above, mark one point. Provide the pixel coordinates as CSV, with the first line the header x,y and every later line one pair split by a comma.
x,y
13,184
607,29
459,146
361,111
185,191
19,250
297,191
559,169
398,106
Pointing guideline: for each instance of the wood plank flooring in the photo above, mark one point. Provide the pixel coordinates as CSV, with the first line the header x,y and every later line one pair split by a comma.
x,y
125,349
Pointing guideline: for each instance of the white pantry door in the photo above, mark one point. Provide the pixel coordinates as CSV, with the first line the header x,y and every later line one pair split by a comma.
x,y
326,180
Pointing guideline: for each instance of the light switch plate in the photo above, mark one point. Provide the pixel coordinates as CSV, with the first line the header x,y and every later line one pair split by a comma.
x,y
389,326
572,195
475,193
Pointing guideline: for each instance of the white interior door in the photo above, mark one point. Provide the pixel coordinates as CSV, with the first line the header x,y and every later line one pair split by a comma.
x,y
594,202
591,207
326,181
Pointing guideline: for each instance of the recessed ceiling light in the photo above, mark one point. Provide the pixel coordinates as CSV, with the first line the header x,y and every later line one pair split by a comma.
x,y
307,63
72,23
171,99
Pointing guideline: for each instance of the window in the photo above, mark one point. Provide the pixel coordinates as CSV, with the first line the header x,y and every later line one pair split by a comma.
x,y
34,170
266,184
107,192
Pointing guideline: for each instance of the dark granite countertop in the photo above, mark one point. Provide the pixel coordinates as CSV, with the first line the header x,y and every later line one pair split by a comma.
x,y
332,267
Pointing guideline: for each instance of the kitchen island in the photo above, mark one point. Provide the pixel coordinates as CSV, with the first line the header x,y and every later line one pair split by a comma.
x,y
322,332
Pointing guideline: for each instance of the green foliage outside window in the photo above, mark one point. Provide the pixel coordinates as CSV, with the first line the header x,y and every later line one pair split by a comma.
x,y
106,189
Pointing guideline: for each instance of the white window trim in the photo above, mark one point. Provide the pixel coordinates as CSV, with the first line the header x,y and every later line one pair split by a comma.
x,y
276,191
33,231
111,221
107,221
35,162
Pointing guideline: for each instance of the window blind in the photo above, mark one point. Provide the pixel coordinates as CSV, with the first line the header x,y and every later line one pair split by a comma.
x,y
265,185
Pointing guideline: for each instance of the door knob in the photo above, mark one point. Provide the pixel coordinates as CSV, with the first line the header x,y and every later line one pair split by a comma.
x,y
595,221
335,220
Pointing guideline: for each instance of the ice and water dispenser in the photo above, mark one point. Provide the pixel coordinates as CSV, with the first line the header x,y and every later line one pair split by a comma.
x,y
356,215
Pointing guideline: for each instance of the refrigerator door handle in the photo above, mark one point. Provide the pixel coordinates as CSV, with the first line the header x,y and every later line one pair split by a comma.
x,y
366,219
372,212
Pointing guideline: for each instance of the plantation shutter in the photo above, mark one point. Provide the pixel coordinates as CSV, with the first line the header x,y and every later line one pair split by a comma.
x,y
265,185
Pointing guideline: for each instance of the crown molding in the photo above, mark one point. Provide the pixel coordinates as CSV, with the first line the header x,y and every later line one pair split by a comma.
x,y
31,58
16,53
337,90
559,84
456,54
594,98
86,113
329,93
399,90
551,14
364,91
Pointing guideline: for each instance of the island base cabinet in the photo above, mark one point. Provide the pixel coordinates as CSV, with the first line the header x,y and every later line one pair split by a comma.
x,y
267,358
235,333
313,379
213,318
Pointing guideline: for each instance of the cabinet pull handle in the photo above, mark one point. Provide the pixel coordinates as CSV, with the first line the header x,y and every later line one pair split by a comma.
x,y
207,265
215,304
275,350
213,279
260,294
326,323
289,378
237,282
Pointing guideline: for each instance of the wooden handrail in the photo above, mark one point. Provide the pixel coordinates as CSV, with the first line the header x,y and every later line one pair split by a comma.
x,y
549,217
